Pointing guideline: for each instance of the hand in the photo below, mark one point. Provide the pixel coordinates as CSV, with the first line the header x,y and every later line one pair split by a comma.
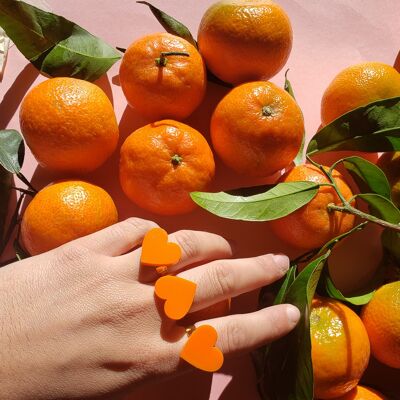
x,y
81,321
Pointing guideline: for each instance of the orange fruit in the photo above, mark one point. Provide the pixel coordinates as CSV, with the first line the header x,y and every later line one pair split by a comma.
x,y
339,348
69,124
65,211
312,225
161,163
381,317
357,86
257,129
390,164
170,86
361,393
245,40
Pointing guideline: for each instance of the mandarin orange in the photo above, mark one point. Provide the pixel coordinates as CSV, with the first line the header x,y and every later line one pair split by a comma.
x,y
65,211
161,163
163,76
312,225
245,40
69,124
340,348
257,129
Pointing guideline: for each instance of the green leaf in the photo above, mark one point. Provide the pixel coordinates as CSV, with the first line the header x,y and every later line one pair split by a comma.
x,y
335,293
368,176
371,128
260,355
170,24
288,86
55,45
289,367
299,159
381,207
281,200
5,192
11,150
391,242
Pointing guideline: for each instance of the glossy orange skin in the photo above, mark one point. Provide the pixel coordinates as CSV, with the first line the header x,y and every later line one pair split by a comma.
x,y
250,142
381,317
362,393
340,348
65,211
356,86
157,92
312,225
148,174
245,40
69,124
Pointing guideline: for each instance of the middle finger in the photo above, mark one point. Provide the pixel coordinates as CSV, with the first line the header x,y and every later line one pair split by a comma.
x,y
223,279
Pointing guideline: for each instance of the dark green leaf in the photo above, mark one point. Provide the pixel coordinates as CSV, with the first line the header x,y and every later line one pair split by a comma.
x,y
56,46
391,242
289,367
260,355
335,293
371,128
11,153
369,177
381,207
170,24
281,200
287,282
5,192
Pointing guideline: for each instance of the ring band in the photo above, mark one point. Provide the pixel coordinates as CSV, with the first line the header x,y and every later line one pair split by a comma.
x,y
189,330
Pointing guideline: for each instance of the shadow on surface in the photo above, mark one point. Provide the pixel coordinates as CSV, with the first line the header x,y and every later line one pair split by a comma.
x,y
14,95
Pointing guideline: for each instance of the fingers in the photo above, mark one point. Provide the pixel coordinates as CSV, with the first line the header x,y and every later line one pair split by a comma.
x,y
245,332
223,279
196,247
119,238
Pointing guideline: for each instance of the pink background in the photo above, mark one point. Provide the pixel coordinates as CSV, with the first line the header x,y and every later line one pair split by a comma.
x,y
328,36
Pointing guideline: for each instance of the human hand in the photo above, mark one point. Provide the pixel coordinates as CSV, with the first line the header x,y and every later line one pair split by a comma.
x,y
82,321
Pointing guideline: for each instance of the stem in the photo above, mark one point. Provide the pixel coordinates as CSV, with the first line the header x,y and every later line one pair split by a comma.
x,y
163,60
27,183
28,192
331,180
348,209
176,160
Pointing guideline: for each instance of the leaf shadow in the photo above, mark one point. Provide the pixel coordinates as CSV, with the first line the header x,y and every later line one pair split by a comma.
x,y
14,95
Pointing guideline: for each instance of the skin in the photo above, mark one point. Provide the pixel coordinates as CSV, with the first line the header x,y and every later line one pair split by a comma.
x,y
81,321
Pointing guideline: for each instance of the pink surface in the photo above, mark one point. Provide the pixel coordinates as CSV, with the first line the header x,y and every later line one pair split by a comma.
x,y
328,36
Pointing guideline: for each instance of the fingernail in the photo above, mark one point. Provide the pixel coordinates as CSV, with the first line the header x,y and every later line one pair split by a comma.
x,y
293,314
282,262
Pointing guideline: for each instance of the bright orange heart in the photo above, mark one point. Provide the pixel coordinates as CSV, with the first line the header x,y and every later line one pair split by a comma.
x,y
178,294
200,350
157,251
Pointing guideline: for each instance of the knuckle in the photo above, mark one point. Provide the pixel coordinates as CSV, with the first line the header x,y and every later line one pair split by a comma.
x,y
188,242
223,278
73,253
133,225
235,338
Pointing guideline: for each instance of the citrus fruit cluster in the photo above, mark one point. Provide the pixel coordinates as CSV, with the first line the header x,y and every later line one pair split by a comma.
x,y
256,129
